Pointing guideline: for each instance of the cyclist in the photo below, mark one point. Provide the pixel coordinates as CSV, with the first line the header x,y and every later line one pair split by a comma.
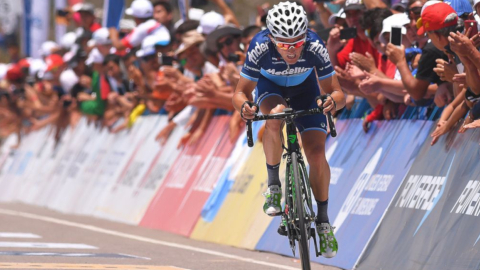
x,y
288,61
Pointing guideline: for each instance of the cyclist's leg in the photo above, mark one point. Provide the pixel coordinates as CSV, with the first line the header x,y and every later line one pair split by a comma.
x,y
270,100
314,134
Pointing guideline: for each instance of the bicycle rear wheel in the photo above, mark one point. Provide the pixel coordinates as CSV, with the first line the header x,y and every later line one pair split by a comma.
x,y
303,247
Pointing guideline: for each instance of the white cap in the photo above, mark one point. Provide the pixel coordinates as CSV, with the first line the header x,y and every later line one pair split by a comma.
x,y
68,40
339,14
398,20
68,79
83,7
100,37
94,57
47,48
161,37
195,14
140,9
37,65
209,22
3,70
127,24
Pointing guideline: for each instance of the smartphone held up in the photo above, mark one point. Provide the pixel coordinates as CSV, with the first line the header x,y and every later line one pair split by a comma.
x,y
396,36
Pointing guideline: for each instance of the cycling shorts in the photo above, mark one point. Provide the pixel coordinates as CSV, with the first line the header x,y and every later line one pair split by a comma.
x,y
302,97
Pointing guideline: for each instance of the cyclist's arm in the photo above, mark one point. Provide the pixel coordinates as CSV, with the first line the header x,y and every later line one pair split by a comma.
x,y
243,92
331,86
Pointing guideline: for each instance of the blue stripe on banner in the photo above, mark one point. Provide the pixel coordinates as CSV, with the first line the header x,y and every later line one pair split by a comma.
x,y
113,13
27,24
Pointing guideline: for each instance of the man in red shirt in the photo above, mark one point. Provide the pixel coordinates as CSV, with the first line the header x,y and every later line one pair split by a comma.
x,y
360,44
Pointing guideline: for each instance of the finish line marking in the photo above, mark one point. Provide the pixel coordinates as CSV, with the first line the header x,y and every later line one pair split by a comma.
x,y
18,235
83,266
71,255
44,245
141,238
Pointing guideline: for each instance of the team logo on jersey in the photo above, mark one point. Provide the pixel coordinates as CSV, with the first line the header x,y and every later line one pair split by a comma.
x,y
291,71
257,51
318,48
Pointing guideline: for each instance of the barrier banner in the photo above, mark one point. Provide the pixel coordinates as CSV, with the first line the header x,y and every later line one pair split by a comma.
x,y
366,171
245,200
190,181
432,222
119,198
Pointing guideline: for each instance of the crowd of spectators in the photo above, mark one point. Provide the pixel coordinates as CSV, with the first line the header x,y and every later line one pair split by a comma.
x,y
189,69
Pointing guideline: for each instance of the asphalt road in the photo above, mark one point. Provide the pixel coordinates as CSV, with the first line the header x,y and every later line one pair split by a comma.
x,y
37,238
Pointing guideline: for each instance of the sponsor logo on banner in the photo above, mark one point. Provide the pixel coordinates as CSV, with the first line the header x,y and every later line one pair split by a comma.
x,y
421,191
354,204
210,174
468,202
182,171
132,172
257,52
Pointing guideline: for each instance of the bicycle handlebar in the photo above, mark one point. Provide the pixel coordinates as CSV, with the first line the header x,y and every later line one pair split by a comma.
x,y
288,113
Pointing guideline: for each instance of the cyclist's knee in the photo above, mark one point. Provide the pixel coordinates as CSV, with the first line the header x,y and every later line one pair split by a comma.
x,y
275,125
315,153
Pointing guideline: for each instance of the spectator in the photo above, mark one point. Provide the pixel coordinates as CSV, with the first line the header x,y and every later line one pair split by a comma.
x,y
142,12
87,16
225,40
162,13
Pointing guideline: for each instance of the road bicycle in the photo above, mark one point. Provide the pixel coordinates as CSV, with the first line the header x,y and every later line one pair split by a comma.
x,y
298,214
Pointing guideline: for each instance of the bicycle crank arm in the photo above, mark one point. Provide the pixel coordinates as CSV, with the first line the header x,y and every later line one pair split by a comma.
x,y
315,243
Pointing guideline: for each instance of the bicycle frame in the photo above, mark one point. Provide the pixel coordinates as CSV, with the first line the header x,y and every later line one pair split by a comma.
x,y
297,184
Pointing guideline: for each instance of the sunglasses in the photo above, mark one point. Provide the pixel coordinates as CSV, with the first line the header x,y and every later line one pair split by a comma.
x,y
227,42
287,45
415,10
149,57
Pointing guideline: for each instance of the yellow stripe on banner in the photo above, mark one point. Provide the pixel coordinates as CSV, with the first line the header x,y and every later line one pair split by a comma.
x,y
83,266
241,221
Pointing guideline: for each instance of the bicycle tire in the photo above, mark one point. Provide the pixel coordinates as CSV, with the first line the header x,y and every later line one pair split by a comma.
x,y
303,247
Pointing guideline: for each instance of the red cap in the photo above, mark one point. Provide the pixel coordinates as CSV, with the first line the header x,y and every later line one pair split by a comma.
x,y
433,18
53,61
23,63
14,73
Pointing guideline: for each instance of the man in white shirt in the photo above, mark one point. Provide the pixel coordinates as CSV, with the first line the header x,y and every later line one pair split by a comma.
x,y
142,12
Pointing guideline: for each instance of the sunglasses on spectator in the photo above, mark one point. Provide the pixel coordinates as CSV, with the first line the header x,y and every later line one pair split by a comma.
x,y
287,45
227,42
149,57
415,10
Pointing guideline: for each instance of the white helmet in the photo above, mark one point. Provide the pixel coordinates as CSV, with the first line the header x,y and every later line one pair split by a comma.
x,y
287,20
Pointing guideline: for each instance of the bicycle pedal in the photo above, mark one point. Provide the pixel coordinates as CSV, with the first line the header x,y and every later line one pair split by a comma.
x,y
282,230
277,214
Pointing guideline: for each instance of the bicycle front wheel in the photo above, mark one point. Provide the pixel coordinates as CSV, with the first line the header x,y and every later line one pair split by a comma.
x,y
304,247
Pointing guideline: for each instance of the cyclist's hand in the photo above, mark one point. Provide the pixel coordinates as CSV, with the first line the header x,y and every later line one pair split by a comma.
x,y
248,112
328,106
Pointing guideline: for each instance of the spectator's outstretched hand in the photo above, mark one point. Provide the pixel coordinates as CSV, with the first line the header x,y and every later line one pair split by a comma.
x,y
205,87
474,124
467,121
439,131
164,134
355,72
476,40
369,84
443,96
446,70
395,54
365,62
460,78
460,43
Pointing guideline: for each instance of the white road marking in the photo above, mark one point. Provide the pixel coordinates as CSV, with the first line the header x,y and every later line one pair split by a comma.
x,y
18,235
44,245
141,238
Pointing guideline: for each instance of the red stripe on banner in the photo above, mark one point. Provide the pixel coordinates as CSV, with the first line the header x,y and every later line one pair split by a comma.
x,y
190,181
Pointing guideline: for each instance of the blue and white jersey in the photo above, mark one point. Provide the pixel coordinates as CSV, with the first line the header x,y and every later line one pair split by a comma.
x,y
263,58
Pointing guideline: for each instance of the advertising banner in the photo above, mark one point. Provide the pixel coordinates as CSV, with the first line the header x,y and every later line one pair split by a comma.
x,y
366,171
432,223
190,181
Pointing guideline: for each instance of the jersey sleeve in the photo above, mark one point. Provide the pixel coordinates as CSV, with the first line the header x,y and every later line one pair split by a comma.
x,y
257,51
318,55
140,32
